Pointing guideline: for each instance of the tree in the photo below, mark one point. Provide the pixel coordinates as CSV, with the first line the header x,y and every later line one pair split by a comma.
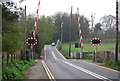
x,y
10,32
44,33
97,31
108,26
108,22
98,27
65,18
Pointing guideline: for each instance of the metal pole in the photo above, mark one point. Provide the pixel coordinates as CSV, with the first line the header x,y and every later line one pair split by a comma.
x,y
116,50
70,32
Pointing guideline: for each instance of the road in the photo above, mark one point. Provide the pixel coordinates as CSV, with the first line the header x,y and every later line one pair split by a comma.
x,y
62,68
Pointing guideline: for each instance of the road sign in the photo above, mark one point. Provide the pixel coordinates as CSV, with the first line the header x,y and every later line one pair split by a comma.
x,y
95,41
31,41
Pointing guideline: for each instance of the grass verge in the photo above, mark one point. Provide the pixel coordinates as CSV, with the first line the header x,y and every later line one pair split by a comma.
x,y
112,64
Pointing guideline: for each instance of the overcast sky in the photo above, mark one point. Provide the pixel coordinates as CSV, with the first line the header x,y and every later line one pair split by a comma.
x,y
86,7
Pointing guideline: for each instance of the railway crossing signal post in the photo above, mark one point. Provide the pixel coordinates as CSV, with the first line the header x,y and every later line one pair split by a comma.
x,y
95,41
32,40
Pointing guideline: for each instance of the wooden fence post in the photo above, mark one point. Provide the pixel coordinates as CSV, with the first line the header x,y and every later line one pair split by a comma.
x,y
7,58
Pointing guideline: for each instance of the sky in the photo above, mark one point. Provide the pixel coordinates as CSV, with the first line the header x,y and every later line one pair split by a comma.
x,y
98,8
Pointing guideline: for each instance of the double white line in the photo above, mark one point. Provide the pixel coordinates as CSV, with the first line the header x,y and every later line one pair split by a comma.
x,y
51,77
87,71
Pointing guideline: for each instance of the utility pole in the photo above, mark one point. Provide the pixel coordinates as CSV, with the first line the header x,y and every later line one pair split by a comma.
x,y
116,50
61,34
70,32
25,36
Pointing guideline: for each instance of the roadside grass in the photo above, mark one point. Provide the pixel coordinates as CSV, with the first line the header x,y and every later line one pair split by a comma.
x,y
112,64
88,56
89,47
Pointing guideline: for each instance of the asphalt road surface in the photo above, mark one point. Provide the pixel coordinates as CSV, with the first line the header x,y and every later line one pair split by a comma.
x,y
62,68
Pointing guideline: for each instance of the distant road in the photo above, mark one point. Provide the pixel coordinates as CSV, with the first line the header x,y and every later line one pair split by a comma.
x,y
76,69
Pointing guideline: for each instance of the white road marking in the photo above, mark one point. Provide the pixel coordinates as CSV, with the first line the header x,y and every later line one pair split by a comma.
x,y
54,55
60,53
88,72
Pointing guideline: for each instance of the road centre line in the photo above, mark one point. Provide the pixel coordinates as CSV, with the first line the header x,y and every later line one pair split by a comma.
x,y
88,72
54,55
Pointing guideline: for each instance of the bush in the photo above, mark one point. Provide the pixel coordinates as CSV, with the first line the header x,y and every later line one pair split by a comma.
x,y
109,63
59,46
15,69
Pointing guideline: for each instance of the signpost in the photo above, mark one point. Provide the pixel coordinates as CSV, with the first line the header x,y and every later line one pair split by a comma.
x,y
95,41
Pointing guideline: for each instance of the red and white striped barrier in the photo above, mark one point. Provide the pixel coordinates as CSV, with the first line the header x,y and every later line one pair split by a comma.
x,y
79,29
36,21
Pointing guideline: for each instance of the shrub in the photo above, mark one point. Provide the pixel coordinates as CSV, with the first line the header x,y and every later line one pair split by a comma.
x,y
15,69
109,63
59,46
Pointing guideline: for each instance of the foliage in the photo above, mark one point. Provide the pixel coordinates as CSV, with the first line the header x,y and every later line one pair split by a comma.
x,y
11,37
59,45
98,27
11,41
113,64
9,15
65,18
108,22
15,69
45,30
